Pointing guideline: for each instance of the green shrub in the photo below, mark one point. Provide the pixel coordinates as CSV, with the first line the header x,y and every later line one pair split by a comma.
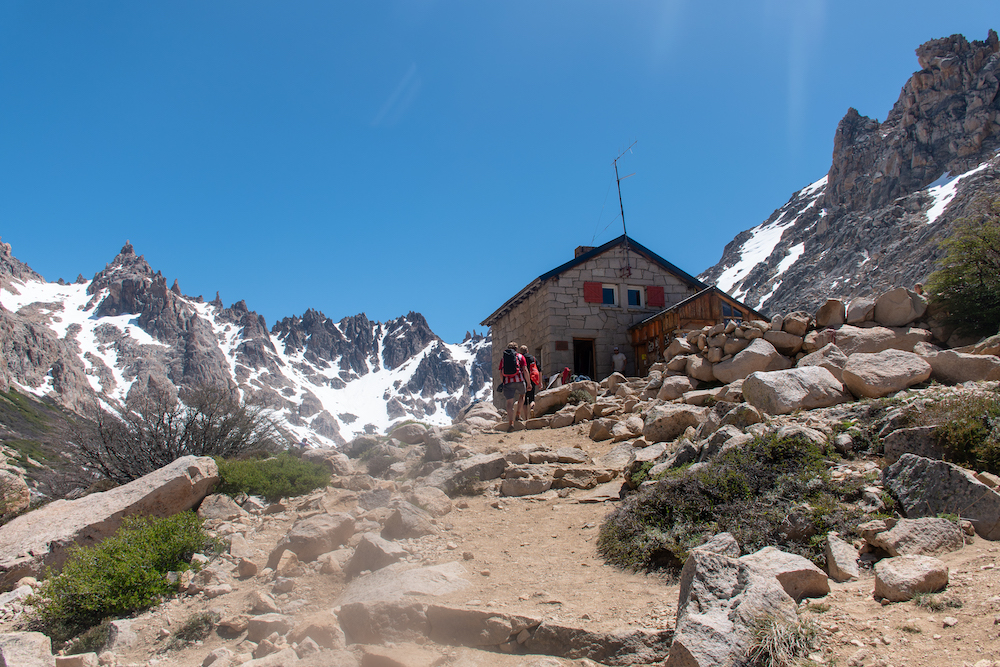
x,y
746,491
124,573
580,396
283,476
967,286
969,430
196,627
934,602
92,641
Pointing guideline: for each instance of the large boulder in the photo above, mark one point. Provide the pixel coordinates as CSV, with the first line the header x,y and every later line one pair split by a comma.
x,y
797,323
550,400
721,599
860,310
925,487
760,355
411,433
40,539
783,392
929,536
14,493
798,576
373,553
841,558
851,339
664,423
899,579
786,343
833,313
899,307
699,368
312,536
919,440
829,357
480,467
952,367
883,373
26,649
675,387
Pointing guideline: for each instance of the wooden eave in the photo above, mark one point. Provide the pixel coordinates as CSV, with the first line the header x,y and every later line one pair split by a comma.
x,y
752,314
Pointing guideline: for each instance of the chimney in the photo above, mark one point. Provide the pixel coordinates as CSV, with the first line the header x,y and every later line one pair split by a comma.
x,y
582,250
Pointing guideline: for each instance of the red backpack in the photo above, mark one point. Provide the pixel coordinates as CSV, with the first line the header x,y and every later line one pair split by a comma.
x,y
533,373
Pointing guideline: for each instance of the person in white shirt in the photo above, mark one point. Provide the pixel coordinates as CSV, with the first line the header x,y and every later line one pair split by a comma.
x,y
618,361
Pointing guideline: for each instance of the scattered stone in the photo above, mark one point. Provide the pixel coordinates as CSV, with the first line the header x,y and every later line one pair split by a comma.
x,y
373,553
315,535
841,559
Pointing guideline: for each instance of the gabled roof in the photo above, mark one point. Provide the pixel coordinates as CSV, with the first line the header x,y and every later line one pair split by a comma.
x,y
633,245
695,297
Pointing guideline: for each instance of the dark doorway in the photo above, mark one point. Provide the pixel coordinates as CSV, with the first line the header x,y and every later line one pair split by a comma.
x,y
583,357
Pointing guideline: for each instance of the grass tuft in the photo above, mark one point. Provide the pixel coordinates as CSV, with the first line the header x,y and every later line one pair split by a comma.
x,y
778,643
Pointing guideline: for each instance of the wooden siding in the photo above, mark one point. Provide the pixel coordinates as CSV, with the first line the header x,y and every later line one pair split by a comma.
x,y
651,338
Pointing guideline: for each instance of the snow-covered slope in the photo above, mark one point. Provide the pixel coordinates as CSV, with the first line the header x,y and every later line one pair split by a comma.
x,y
326,381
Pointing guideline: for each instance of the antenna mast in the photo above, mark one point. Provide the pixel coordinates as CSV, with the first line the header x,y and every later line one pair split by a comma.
x,y
627,269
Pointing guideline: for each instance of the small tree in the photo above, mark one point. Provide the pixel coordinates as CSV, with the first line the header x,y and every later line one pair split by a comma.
x,y
154,429
968,283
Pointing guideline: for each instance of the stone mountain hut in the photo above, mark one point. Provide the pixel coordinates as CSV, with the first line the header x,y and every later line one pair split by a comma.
x,y
574,315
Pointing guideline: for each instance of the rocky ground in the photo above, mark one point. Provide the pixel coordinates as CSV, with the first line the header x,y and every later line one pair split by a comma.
x,y
536,556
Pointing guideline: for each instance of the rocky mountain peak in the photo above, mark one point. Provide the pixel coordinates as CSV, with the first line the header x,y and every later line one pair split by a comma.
x,y
947,114
893,191
13,268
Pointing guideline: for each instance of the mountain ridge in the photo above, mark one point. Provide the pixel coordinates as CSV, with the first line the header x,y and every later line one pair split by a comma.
x,y
893,191
125,330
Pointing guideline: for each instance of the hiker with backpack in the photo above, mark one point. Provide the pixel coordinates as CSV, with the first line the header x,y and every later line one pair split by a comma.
x,y
536,381
514,369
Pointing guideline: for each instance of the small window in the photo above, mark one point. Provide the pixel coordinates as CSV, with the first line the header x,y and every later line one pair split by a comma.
x,y
610,293
635,297
731,312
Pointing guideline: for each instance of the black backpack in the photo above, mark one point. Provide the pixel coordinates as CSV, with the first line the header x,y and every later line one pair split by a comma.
x,y
510,362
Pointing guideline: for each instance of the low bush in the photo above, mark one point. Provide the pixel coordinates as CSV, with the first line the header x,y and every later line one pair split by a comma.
x,y
750,492
969,430
92,641
580,396
197,627
124,573
282,476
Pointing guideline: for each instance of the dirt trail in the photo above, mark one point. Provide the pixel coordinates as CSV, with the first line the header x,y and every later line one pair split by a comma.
x,y
537,556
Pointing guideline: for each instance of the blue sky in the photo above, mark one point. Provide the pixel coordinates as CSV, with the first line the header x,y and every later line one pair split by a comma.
x,y
433,156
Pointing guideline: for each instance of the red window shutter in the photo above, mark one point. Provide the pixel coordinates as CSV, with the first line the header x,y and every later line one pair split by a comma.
x,y
654,297
593,293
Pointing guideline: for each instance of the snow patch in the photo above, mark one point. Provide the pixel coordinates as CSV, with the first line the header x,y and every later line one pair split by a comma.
x,y
763,241
793,256
943,191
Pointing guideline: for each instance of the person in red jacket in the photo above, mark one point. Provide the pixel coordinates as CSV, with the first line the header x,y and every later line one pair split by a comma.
x,y
514,369
536,379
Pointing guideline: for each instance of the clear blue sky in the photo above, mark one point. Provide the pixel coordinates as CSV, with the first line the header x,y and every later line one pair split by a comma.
x,y
383,157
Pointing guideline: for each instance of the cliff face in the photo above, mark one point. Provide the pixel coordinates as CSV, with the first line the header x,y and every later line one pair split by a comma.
x,y
125,330
893,191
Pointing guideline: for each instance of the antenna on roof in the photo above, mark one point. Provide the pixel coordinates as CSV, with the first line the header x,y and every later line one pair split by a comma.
x,y
627,269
